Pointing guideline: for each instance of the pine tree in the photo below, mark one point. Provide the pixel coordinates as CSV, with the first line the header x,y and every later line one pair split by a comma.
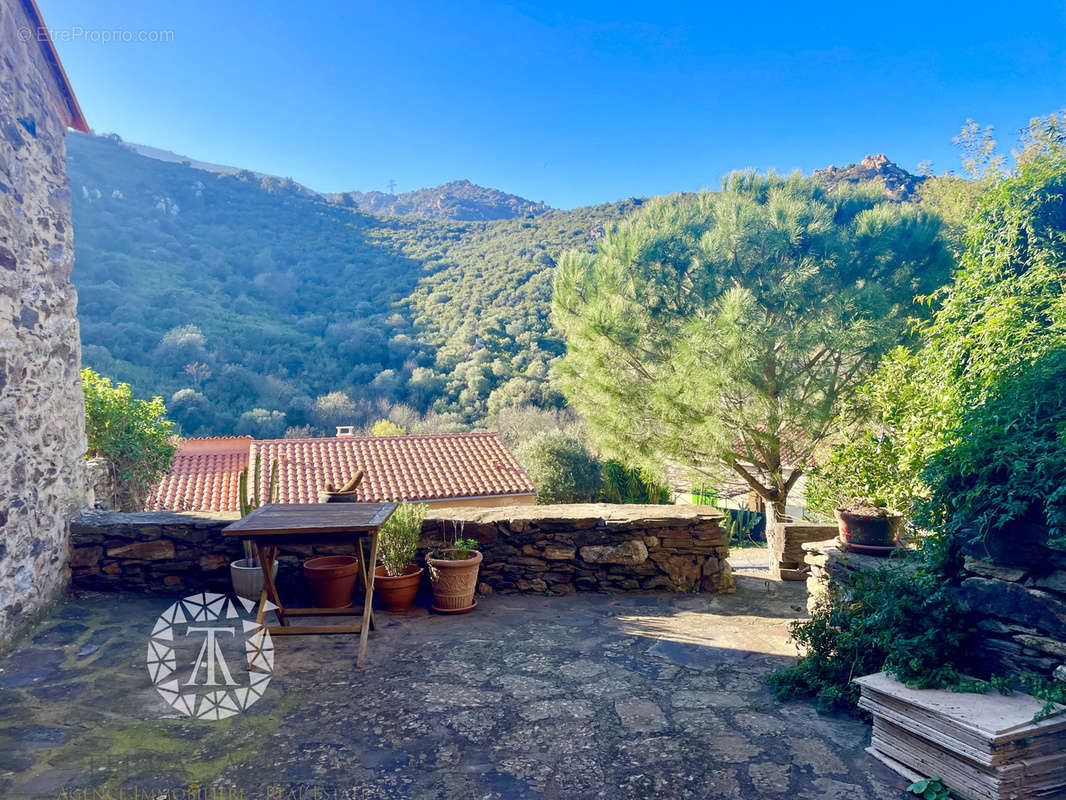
x,y
723,332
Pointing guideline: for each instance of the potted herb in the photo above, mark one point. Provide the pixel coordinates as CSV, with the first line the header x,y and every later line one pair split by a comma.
x,y
453,568
868,526
246,573
396,577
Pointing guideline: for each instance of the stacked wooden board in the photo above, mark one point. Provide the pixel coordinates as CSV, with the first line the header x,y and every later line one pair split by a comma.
x,y
983,746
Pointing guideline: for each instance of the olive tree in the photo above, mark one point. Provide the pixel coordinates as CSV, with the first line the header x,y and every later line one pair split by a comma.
x,y
723,331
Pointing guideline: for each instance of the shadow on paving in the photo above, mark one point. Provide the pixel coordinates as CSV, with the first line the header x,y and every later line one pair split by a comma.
x,y
623,696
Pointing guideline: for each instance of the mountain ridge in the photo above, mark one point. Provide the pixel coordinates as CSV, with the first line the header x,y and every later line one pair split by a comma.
x,y
252,305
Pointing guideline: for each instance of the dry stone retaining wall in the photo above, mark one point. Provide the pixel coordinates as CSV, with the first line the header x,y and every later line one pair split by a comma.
x,y
1014,594
42,414
558,549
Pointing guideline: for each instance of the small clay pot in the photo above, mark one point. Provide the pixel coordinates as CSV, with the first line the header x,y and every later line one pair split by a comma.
x,y
332,580
454,582
873,535
396,593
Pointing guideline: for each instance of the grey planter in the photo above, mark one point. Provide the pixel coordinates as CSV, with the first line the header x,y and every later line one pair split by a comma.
x,y
248,578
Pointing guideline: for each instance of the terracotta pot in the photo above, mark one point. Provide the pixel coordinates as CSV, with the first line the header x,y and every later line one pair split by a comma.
x,y
864,533
332,580
454,582
396,593
248,579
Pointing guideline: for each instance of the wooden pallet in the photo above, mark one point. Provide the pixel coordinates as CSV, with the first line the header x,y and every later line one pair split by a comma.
x,y
984,747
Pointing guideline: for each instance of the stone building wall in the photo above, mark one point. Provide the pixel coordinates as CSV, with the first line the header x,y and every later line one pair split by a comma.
x,y
560,549
42,424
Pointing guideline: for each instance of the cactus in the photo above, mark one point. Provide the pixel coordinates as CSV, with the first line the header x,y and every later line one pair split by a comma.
x,y
248,504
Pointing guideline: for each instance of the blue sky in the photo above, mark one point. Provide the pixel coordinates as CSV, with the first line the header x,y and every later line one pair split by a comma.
x,y
569,103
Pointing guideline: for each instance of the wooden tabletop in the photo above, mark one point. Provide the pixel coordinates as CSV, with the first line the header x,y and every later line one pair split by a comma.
x,y
286,519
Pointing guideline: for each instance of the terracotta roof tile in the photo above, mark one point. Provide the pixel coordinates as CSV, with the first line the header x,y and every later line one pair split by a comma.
x,y
203,476
413,467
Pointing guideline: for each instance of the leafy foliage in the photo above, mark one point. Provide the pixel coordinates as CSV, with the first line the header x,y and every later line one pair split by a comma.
x,y
133,434
398,538
622,484
902,618
930,789
969,427
561,467
386,427
723,332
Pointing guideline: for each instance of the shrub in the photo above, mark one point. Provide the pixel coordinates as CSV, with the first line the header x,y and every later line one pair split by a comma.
x,y
561,467
398,538
901,618
133,434
622,484
386,427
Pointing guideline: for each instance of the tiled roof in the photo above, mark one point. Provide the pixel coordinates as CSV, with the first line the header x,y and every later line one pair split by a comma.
x,y
413,467
203,476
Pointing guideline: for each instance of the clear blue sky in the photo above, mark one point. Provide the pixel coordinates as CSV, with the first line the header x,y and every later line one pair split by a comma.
x,y
570,103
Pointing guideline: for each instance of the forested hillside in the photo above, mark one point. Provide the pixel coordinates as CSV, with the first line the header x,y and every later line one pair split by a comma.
x,y
252,305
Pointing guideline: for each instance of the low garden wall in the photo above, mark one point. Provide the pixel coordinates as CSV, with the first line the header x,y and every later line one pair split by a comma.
x,y
556,549
1015,597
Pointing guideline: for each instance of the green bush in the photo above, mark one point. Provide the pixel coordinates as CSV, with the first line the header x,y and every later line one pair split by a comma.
x,y
967,431
133,434
1007,460
622,484
561,467
904,621
398,539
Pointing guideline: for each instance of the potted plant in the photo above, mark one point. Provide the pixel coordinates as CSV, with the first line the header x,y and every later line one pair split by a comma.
x,y
868,526
396,577
246,573
453,571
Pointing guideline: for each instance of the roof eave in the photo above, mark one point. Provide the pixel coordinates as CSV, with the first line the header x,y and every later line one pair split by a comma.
x,y
44,38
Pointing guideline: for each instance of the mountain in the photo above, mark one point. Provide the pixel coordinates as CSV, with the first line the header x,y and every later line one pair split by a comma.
x,y
899,183
248,302
458,200
252,304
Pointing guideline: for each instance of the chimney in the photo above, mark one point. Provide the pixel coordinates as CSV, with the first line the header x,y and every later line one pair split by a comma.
x,y
345,430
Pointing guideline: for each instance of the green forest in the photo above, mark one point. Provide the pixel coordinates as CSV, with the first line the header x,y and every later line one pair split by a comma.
x,y
252,305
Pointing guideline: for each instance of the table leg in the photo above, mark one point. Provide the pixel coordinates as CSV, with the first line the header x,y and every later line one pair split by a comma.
x,y
369,602
362,573
267,556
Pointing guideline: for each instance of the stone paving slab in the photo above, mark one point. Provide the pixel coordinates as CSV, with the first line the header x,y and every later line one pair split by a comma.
x,y
624,696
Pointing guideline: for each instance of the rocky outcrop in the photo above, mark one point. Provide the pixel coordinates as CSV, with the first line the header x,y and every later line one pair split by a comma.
x,y
556,549
899,183
42,414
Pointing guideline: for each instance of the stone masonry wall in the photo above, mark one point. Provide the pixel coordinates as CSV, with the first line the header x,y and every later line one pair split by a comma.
x,y
42,416
561,549
1015,597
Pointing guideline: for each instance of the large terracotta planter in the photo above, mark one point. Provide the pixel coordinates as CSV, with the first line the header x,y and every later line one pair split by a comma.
x,y
332,580
396,593
454,582
872,535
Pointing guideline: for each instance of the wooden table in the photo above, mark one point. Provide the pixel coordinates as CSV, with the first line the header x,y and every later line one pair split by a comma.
x,y
278,524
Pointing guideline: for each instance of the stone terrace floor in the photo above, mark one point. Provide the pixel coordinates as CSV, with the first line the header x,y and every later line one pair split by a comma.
x,y
625,696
